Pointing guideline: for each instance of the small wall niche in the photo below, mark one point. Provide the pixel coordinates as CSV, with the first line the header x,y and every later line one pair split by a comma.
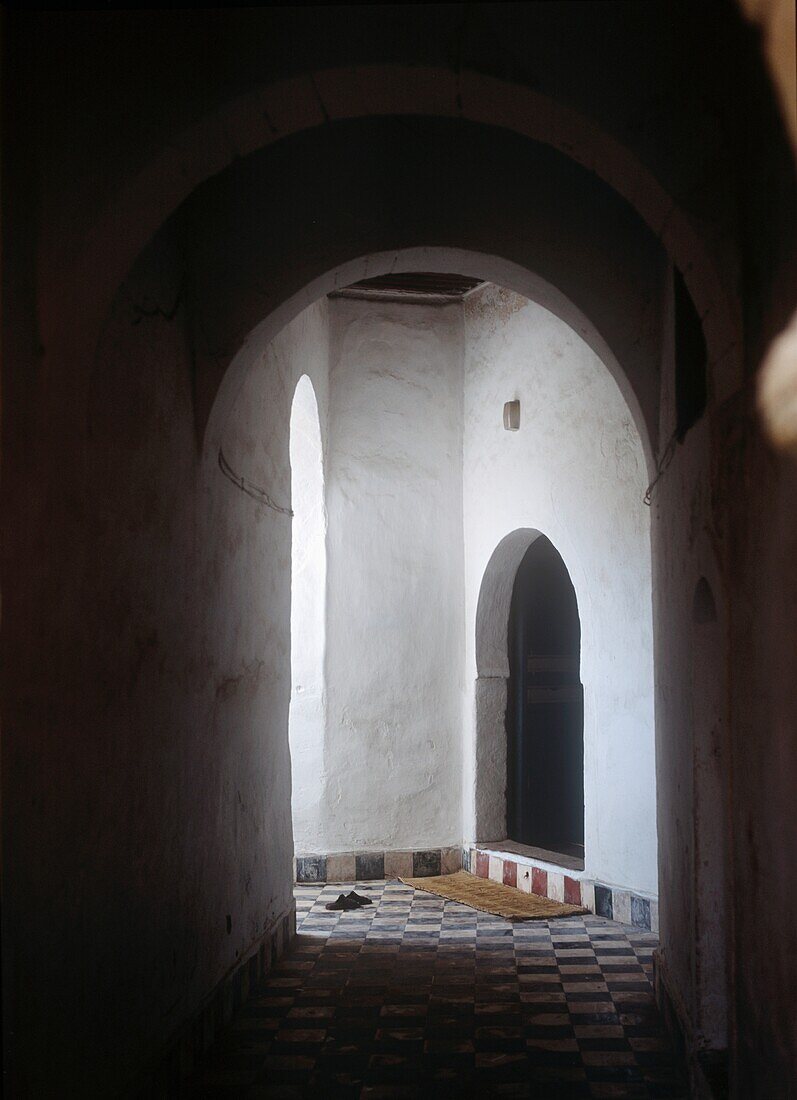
x,y
704,608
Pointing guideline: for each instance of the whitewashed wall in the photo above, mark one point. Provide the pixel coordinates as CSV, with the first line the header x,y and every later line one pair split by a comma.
x,y
575,471
393,753
422,484
307,715
279,410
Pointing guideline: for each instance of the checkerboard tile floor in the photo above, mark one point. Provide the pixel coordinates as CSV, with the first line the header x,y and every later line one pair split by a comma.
x,y
416,996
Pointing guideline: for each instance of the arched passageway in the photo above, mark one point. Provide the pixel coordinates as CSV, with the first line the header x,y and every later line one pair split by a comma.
x,y
545,707
411,396
146,775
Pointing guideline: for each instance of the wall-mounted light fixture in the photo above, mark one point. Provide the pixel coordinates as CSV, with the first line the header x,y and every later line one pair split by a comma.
x,y
512,416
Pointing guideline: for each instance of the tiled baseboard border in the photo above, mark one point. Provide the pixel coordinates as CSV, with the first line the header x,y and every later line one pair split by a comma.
x,y
532,876
187,1048
361,866
523,872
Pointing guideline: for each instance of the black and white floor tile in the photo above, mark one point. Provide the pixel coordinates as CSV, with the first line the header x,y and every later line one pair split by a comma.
x,y
416,996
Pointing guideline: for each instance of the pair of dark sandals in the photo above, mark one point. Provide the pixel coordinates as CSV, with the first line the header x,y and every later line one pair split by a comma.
x,y
348,901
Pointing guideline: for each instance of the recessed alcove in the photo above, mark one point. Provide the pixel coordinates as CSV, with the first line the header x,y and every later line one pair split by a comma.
x,y
397,749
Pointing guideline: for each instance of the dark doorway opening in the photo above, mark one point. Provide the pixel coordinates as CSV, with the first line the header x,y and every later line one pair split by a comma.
x,y
545,707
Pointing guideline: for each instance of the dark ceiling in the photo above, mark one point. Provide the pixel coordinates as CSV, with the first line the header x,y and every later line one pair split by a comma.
x,y
427,286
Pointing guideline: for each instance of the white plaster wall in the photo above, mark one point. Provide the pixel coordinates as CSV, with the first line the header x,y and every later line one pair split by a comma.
x,y
414,511
282,402
306,719
392,761
575,471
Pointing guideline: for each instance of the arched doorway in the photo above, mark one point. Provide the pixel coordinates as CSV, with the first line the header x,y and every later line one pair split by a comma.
x,y
545,706
308,584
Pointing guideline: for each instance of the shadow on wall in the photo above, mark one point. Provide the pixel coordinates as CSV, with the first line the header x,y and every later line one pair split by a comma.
x,y
710,770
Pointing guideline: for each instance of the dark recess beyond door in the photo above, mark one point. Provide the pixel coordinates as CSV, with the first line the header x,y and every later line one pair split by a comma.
x,y
545,707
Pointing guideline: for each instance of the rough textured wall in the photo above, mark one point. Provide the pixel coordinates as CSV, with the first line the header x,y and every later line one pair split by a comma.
x,y
724,510
763,698
163,824
575,471
394,606
683,552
